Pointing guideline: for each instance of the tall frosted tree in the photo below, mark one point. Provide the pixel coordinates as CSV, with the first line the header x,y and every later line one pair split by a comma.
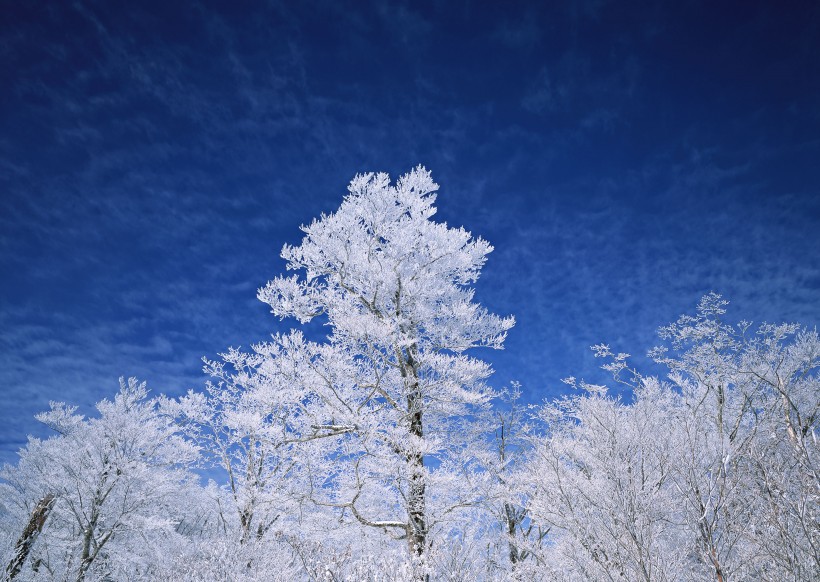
x,y
392,386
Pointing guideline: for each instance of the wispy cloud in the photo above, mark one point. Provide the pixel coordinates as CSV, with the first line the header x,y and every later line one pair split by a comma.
x,y
153,163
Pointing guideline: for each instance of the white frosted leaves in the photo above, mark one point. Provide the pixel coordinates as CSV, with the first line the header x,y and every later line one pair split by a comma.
x,y
379,267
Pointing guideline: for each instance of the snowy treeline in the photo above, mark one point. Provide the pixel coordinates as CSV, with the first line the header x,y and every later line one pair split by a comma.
x,y
381,453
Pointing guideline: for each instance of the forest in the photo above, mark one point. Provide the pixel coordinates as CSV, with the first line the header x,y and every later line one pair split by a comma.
x,y
379,449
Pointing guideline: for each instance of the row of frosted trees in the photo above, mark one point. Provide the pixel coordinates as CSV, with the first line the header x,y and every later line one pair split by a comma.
x,y
380,453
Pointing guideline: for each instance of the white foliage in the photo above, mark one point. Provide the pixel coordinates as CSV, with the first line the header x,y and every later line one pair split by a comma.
x,y
376,454
119,481
713,476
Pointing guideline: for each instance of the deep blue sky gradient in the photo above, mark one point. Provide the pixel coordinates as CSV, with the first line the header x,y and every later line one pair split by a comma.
x,y
624,158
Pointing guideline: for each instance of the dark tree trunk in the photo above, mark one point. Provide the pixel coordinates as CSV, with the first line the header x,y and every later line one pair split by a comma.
x,y
416,499
29,535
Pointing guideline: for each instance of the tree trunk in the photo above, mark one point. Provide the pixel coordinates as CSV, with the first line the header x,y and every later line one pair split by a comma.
x,y
716,565
29,535
512,520
416,500
86,557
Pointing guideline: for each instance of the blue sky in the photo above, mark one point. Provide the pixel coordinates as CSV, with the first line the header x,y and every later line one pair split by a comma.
x,y
624,159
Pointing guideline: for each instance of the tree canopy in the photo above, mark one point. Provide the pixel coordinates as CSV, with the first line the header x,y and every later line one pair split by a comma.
x,y
380,451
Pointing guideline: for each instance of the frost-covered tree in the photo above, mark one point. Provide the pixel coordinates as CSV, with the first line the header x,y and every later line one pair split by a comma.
x,y
241,424
392,388
709,476
750,416
119,486
509,534
599,483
